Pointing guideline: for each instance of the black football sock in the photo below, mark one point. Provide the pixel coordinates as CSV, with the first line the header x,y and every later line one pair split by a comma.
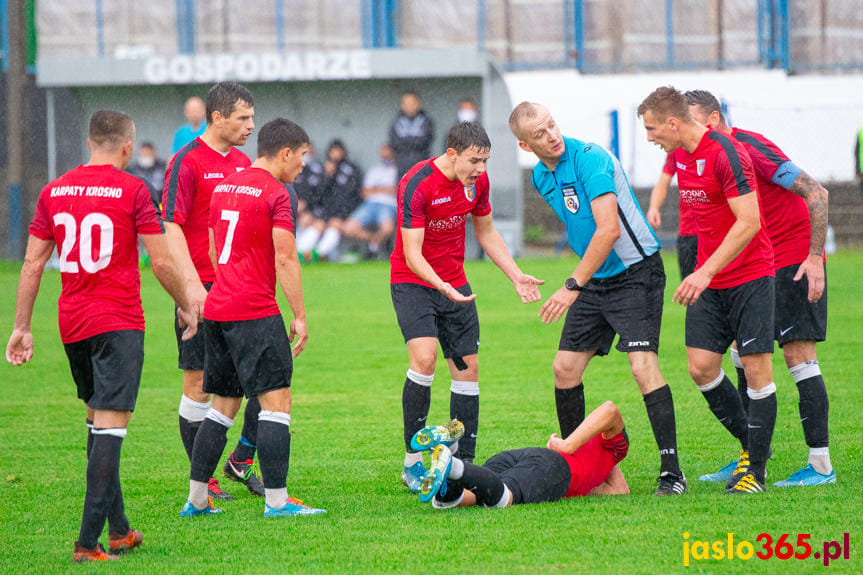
x,y
192,414
814,405
464,406
724,402
245,449
742,385
117,521
188,431
660,412
89,436
274,448
103,483
485,483
570,408
416,399
209,445
762,420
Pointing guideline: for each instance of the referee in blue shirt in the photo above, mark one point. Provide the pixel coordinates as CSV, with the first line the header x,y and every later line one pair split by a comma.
x,y
617,286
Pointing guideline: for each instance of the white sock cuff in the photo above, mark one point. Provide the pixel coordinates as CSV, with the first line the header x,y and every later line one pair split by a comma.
x,y
420,379
504,500
89,425
115,431
805,370
735,358
819,451
192,410
713,384
220,418
275,417
464,387
456,469
765,391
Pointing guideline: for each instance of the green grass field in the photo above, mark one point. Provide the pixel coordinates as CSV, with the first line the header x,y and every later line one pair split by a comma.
x,y
347,449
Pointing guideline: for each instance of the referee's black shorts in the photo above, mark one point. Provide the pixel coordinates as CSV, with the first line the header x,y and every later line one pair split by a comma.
x,y
190,352
107,368
629,304
425,312
247,357
796,318
743,313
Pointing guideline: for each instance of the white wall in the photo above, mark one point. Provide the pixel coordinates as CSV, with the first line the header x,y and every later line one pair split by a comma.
x,y
813,118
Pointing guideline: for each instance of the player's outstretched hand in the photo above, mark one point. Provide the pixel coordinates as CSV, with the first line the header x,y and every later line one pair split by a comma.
x,y
188,319
527,288
555,443
455,295
813,268
557,305
300,332
691,288
19,350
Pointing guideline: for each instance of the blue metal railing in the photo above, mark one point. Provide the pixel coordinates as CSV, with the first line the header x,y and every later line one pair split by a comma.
x,y
4,36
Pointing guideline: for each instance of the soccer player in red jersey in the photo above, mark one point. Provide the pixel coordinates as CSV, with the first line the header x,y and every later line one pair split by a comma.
x,y
583,463
795,211
431,295
193,174
730,294
687,240
248,351
95,214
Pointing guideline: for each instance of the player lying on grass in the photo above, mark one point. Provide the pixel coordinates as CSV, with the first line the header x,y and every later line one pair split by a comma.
x,y
585,463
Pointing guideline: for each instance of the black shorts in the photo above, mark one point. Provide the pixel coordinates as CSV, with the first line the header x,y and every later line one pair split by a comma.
x,y
107,368
246,357
687,254
629,304
533,474
425,312
741,313
190,353
796,318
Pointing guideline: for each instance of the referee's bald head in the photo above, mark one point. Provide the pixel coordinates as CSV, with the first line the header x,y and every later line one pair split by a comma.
x,y
520,114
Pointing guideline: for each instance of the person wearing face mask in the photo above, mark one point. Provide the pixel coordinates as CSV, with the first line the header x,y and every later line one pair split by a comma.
x,y
467,111
151,169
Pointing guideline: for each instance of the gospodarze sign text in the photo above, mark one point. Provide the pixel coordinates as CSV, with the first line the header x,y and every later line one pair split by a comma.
x,y
266,67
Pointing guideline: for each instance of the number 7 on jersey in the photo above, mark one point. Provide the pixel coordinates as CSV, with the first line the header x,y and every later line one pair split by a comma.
x,y
232,217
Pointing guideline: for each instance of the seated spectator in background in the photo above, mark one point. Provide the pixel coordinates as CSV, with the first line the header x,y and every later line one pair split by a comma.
x,y
411,133
309,186
195,112
341,195
467,111
151,169
374,221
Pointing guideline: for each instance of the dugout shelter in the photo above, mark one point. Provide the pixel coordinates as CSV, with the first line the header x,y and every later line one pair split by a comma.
x,y
348,94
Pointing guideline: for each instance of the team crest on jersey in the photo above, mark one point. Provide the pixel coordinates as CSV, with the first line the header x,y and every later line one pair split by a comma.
x,y
239,169
699,166
570,199
470,193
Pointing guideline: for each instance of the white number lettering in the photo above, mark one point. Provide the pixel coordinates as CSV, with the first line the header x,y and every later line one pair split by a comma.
x,y
230,216
85,248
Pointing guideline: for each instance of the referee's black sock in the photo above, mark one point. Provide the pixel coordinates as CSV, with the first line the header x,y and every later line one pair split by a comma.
x,y
245,449
762,420
209,445
570,408
103,483
742,385
660,411
724,402
485,483
464,406
416,399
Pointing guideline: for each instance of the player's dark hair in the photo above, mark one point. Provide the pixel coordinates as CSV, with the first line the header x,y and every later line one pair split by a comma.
x,y
664,102
704,100
110,129
466,135
223,98
279,134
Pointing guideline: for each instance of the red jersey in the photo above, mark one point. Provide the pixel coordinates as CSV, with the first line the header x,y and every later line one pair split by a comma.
x,y
719,169
786,213
94,214
591,463
686,219
192,175
428,199
244,209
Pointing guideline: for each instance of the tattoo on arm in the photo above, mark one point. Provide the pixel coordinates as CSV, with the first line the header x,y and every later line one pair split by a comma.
x,y
816,200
